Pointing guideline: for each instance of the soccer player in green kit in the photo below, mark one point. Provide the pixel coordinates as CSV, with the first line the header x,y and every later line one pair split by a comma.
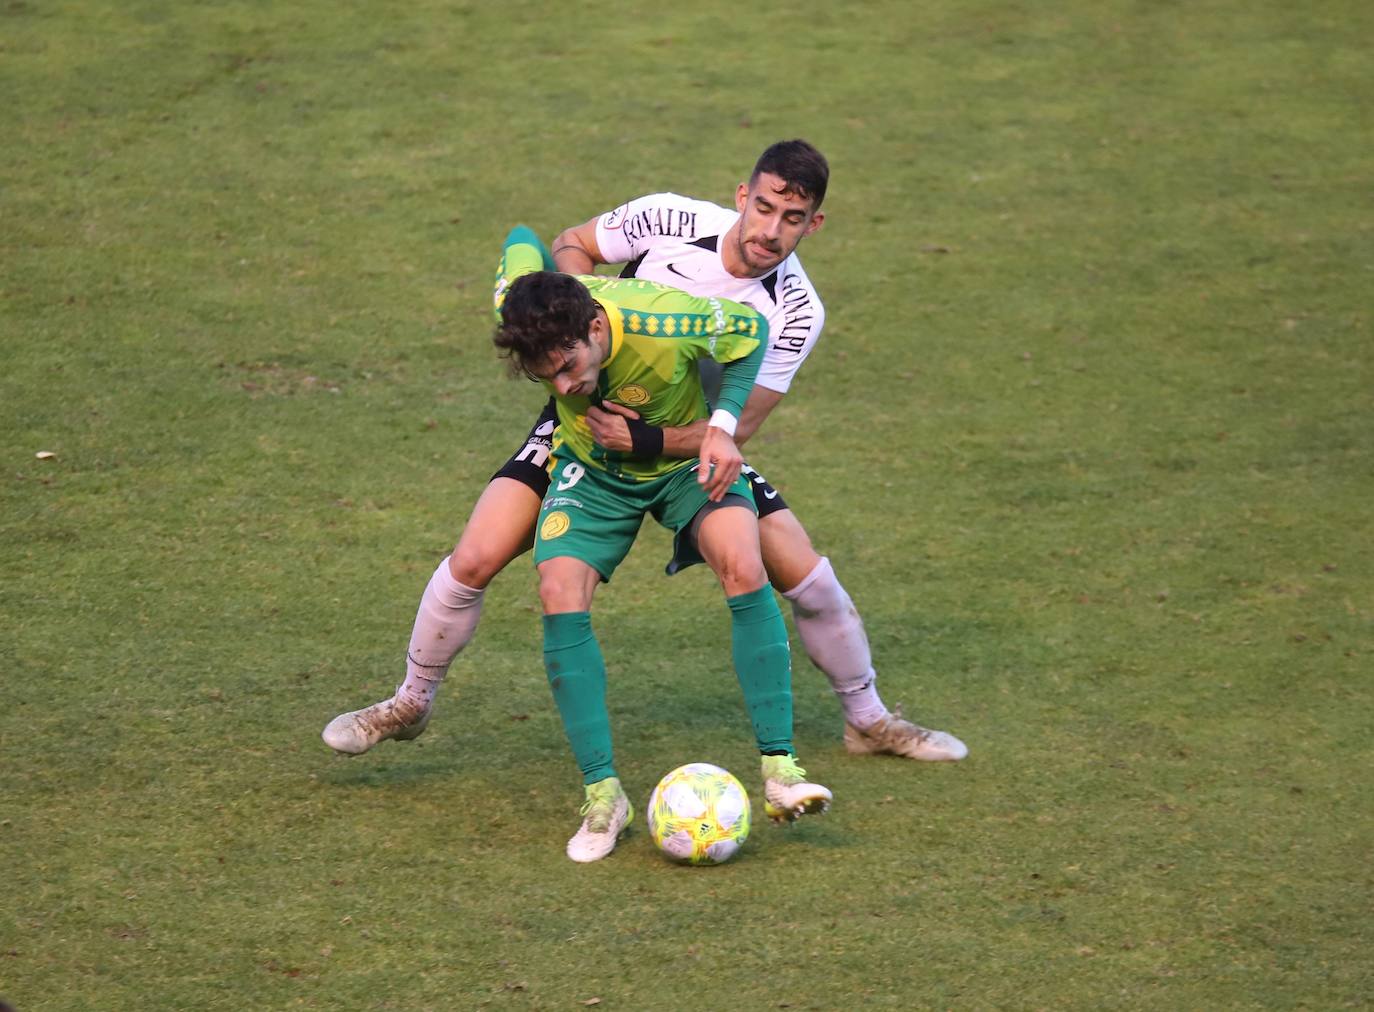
x,y
592,340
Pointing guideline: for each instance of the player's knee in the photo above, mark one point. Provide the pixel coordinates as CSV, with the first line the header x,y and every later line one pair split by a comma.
x,y
551,592
787,551
740,571
782,532
476,563
560,593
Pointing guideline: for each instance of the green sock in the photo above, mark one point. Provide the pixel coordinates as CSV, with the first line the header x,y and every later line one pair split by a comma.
x,y
577,676
763,664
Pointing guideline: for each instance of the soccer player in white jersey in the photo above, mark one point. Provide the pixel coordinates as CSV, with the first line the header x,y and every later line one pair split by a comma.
x,y
747,254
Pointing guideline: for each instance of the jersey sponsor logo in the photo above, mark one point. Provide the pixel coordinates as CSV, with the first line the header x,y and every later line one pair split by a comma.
x,y
798,315
632,394
718,312
614,219
660,221
538,445
555,525
535,451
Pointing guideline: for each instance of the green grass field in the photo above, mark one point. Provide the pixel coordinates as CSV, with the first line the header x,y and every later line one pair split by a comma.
x,y
1089,439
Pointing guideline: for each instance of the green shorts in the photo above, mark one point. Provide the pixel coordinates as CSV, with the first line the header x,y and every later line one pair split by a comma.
x,y
594,516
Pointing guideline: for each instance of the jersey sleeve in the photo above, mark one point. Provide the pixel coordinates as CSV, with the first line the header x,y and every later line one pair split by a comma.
x,y
795,325
522,253
737,379
625,233
740,349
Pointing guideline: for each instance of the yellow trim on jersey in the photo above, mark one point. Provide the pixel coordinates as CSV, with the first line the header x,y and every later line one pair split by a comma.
x,y
617,327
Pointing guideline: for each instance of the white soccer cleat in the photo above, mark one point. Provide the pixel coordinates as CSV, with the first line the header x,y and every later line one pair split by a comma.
x,y
894,735
355,732
607,814
787,795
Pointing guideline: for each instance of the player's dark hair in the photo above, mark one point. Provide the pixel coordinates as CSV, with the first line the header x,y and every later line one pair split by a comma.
x,y
542,311
800,166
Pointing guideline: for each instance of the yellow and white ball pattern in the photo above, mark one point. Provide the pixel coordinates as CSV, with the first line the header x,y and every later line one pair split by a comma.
x,y
699,814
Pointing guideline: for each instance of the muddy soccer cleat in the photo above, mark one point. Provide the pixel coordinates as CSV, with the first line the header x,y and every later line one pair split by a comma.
x,y
787,794
355,732
894,735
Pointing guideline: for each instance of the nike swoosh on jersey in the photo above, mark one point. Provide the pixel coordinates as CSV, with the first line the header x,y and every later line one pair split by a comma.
x,y
771,495
673,268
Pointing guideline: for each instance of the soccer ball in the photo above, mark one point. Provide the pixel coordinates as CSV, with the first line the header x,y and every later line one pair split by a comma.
x,y
699,814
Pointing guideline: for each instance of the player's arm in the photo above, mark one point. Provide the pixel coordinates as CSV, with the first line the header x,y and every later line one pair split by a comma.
x,y
720,459
575,250
617,427
685,440
759,406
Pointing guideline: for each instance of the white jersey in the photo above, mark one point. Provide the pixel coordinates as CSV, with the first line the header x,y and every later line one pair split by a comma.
x,y
676,241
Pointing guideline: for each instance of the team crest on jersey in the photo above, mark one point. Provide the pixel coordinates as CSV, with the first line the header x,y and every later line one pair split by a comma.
x,y
555,526
632,394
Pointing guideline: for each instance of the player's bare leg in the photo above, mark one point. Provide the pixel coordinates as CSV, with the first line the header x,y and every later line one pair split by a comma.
x,y
500,528
728,540
833,634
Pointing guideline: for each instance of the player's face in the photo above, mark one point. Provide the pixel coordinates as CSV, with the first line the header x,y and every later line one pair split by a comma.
x,y
573,372
773,219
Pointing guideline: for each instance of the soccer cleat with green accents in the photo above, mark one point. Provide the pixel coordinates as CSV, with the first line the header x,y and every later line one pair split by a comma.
x,y
355,732
607,814
895,736
787,795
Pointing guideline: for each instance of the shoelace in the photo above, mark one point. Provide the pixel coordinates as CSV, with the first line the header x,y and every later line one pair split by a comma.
x,y
603,799
787,771
898,718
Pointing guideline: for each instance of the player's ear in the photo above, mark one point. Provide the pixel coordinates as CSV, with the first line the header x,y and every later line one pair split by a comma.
x,y
814,223
741,197
598,335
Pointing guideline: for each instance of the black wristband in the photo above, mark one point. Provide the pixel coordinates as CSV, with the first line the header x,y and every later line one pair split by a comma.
x,y
646,441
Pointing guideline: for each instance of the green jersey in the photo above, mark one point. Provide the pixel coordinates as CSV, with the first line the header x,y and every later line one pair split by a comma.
x,y
657,334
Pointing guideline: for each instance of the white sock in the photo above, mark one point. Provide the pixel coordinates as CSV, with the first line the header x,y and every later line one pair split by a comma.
x,y
447,618
834,638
